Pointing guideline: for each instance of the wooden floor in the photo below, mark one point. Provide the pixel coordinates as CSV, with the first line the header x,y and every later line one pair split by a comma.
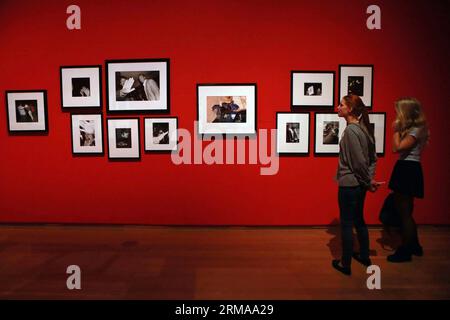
x,y
129,262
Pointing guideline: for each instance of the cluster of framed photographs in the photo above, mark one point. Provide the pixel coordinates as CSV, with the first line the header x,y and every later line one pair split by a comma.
x,y
316,90
142,86
123,135
293,132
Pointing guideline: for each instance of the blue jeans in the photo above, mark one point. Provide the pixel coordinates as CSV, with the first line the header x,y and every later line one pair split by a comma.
x,y
351,207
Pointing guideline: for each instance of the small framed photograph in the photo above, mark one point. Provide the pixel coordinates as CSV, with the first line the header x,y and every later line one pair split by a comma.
x,y
81,86
378,122
161,134
123,138
312,89
138,85
87,134
292,133
27,110
328,132
357,80
226,108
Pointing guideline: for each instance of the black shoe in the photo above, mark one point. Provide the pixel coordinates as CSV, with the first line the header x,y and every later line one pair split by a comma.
x,y
337,265
365,262
417,250
401,255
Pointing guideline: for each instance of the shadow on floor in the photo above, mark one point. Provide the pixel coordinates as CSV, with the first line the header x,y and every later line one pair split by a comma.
x,y
334,244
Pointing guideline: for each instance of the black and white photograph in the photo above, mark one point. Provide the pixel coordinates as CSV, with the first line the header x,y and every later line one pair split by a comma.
x,y
312,89
161,134
123,138
378,122
329,128
357,80
226,108
355,86
292,133
138,85
81,87
87,134
27,110
330,132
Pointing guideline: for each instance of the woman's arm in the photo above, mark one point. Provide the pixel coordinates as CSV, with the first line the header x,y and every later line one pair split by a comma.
x,y
400,145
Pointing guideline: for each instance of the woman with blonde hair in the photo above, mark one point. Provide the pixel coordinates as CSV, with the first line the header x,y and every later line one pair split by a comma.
x,y
410,137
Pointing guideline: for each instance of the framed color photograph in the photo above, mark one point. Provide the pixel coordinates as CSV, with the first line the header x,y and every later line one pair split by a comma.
x,y
378,121
123,138
328,132
292,133
26,110
161,134
87,134
357,80
138,85
226,108
81,86
312,89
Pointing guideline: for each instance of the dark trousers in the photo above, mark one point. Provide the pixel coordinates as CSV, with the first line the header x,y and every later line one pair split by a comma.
x,y
351,207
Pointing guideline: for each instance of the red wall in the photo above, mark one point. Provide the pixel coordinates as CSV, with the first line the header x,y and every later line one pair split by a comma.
x,y
214,41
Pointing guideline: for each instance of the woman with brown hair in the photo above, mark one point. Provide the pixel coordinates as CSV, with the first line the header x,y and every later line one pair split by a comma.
x,y
357,161
410,137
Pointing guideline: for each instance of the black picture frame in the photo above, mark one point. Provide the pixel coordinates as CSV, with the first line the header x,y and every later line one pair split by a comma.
x,y
341,90
76,106
162,151
93,153
126,158
293,154
319,104
111,109
253,128
329,152
10,123
383,151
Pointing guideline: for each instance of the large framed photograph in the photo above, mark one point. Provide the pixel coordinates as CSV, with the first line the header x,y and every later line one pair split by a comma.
x,y
357,80
328,132
378,122
123,138
292,133
161,134
138,85
312,89
87,134
226,108
26,111
81,86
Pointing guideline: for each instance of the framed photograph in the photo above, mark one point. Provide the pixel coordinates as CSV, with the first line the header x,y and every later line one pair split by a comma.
x,y
328,132
87,134
378,121
226,108
123,138
357,80
161,134
312,89
81,86
292,133
138,85
26,110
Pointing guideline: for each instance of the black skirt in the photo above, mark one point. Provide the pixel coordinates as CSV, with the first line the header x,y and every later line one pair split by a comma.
x,y
407,178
